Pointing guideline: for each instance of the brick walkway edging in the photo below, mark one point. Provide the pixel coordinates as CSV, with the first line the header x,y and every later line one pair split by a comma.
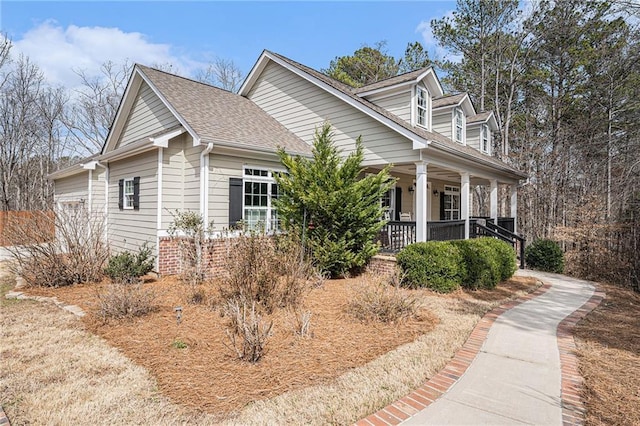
x,y
573,411
573,406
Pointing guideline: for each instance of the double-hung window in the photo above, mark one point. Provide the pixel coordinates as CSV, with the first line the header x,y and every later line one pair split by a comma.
x,y
129,193
421,107
259,190
451,203
458,119
485,138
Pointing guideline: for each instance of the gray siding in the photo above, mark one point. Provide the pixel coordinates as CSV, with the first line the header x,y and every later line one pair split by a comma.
x,y
221,168
180,178
398,104
72,188
148,116
97,189
443,122
473,137
302,107
129,229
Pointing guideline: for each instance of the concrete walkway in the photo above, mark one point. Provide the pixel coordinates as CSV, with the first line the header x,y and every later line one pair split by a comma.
x,y
515,374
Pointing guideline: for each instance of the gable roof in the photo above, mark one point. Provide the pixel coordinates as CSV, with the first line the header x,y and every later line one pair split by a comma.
x,y
346,93
448,100
411,77
215,115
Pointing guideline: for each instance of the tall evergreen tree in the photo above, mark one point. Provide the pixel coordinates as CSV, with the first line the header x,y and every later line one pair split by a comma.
x,y
331,204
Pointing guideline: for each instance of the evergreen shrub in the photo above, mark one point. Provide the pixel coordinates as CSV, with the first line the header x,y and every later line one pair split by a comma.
x,y
127,267
437,265
480,264
545,255
505,255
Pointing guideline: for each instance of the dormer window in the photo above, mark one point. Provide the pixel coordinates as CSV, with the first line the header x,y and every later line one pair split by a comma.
x,y
421,107
458,120
485,138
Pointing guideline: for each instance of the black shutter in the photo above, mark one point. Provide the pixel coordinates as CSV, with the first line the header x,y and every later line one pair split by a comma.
x,y
136,193
442,206
120,193
235,201
398,203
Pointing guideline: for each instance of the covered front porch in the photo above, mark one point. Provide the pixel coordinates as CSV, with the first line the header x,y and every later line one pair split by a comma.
x,y
434,202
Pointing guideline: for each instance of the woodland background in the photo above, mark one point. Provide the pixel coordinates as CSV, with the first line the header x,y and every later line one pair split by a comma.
x,y
563,79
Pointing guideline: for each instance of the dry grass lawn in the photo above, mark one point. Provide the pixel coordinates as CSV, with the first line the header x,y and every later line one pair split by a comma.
x,y
608,341
58,369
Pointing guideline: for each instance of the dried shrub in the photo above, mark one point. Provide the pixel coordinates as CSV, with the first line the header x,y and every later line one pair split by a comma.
x,y
76,254
271,271
248,333
194,241
301,323
127,267
380,298
120,300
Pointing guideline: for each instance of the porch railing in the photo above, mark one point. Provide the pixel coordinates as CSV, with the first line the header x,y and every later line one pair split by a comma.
x,y
395,235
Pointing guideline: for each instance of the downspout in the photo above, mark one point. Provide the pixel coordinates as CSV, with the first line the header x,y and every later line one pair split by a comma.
x,y
204,183
106,196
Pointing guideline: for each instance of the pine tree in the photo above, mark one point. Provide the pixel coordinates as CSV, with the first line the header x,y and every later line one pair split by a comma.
x,y
331,204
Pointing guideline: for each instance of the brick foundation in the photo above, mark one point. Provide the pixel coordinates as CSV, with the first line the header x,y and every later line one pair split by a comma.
x,y
170,260
382,264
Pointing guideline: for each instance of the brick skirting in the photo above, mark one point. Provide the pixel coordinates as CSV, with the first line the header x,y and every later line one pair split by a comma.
x,y
382,264
170,261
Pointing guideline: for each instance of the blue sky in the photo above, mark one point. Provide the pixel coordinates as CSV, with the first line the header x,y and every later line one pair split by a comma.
x,y
61,36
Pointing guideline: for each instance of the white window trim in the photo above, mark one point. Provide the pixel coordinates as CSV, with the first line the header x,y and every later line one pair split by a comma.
x,y
452,191
485,131
455,125
418,108
125,203
269,180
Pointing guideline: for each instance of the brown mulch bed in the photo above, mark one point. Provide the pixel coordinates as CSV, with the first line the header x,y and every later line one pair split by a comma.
x,y
207,375
608,341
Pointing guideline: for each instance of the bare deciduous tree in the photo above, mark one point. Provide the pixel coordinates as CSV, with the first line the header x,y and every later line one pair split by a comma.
x,y
223,73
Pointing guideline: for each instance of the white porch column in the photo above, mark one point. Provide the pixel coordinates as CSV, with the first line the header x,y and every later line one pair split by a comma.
x,y
421,201
464,202
514,207
493,201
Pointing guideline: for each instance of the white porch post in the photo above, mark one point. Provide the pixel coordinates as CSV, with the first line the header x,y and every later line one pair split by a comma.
x,y
514,207
493,201
421,201
464,202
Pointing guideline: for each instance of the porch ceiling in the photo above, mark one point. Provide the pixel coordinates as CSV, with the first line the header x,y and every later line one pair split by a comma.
x,y
435,172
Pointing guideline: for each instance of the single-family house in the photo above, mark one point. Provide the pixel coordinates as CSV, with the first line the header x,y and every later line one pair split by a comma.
x,y
177,144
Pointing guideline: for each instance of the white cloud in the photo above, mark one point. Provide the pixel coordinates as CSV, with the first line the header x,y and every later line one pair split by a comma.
x,y
59,51
436,51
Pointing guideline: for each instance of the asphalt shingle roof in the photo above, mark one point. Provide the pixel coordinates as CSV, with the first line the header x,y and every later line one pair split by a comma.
x,y
478,118
431,136
398,79
217,115
447,100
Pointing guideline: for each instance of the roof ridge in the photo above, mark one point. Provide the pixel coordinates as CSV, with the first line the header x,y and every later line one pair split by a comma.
x,y
184,78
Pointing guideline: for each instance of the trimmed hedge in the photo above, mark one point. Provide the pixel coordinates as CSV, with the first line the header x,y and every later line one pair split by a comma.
x,y
480,264
443,266
436,265
505,255
545,255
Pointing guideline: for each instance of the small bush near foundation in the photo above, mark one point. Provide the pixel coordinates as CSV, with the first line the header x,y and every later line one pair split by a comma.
x,y
480,263
248,333
545,255
127,267
378,299
437,265
120,300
